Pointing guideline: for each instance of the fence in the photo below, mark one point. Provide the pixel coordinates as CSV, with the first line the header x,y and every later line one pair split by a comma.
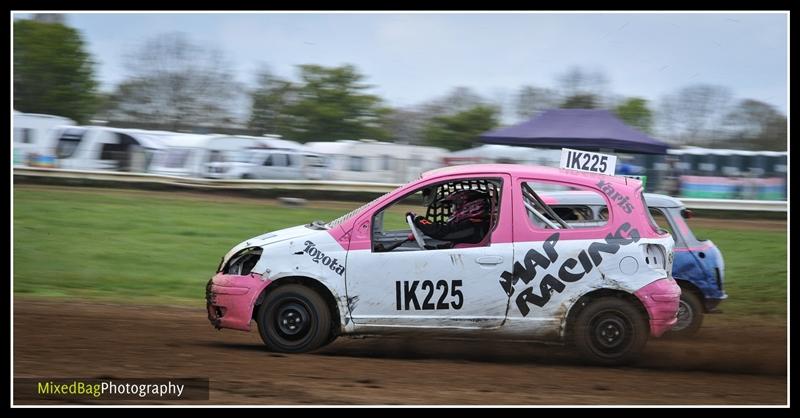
x,y
331,187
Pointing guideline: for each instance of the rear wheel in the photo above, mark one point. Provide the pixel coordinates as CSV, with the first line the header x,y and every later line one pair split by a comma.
x,y
610,331
294,319
690,314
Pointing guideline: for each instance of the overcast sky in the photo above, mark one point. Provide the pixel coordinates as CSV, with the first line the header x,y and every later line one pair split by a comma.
x,y
411,58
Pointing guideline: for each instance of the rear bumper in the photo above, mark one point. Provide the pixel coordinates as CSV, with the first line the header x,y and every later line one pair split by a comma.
x,y
660,299
230,299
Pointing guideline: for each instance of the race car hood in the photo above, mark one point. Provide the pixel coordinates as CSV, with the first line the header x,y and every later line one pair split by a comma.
x,y
273,238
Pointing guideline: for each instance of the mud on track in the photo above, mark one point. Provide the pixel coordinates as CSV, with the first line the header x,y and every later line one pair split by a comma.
x,y
729,362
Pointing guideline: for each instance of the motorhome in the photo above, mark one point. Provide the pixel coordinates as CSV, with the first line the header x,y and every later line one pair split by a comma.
x,y
270,158
106,148
33,138
271,164
193,155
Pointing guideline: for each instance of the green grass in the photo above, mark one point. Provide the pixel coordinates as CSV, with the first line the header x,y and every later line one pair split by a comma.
x,y
163,247
132,245
755,269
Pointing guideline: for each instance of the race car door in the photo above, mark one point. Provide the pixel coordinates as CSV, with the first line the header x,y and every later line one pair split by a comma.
x,y
393,282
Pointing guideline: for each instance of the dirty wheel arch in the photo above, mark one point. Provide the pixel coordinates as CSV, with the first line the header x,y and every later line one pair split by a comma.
x,y
568,323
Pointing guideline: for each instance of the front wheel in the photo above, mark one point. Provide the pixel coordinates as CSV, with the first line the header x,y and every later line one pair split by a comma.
x,y
610,331
690,315
294,319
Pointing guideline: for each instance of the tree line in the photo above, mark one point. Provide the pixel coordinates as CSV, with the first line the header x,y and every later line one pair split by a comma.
x,y
174,83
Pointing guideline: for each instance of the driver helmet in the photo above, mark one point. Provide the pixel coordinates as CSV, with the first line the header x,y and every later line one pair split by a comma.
x,y
469,204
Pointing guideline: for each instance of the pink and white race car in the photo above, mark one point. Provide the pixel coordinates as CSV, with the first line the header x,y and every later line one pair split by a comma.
x,y
521,272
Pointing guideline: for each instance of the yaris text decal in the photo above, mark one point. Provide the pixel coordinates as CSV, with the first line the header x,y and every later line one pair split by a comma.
x,y
620,200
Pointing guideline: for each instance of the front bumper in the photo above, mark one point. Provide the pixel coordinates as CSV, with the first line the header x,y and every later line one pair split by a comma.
x,y
230,299
661,299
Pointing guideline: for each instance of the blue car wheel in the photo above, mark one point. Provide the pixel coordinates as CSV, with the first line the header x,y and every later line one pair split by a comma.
x,y
690,314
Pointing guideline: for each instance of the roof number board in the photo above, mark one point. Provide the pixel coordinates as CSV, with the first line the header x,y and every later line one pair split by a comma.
x,y
591,162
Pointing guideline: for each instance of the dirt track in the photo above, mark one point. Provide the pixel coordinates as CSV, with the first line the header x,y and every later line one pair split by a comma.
x,y
728,363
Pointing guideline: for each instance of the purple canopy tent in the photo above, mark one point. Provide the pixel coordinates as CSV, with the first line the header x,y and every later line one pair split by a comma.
x,y
584,129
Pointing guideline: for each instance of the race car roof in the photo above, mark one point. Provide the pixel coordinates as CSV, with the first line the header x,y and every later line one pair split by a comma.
x,y
518,170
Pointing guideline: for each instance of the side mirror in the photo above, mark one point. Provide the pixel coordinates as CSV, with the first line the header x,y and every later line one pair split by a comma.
x,y
686,213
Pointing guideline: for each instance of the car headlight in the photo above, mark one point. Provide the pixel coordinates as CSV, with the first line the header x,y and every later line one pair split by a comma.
x,y
243,262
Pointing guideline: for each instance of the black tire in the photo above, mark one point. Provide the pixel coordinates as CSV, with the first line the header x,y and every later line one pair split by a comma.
x,y
610,331
690,315
246,177
294,319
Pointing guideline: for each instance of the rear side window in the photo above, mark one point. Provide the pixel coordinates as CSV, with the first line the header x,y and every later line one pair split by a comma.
x,y
661,220
575,213
568,207
670,220
652,221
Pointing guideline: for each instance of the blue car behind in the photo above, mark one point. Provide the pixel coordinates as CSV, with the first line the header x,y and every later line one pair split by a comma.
x,y
698,266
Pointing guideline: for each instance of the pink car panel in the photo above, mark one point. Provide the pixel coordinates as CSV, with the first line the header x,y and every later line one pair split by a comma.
x,y
231,299
660,298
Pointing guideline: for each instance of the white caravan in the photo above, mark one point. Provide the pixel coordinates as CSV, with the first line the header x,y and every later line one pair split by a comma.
x,y
106,148
374,161
33,135
272,164
193,155
266,158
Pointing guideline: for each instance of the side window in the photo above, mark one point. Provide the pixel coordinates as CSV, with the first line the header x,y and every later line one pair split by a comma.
x,y
314,161
268,161
557,206
575,213
386,162
176,158
661,220
109,151
294,160
279,160
68,142
446,215
215,156
23,135
356,163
